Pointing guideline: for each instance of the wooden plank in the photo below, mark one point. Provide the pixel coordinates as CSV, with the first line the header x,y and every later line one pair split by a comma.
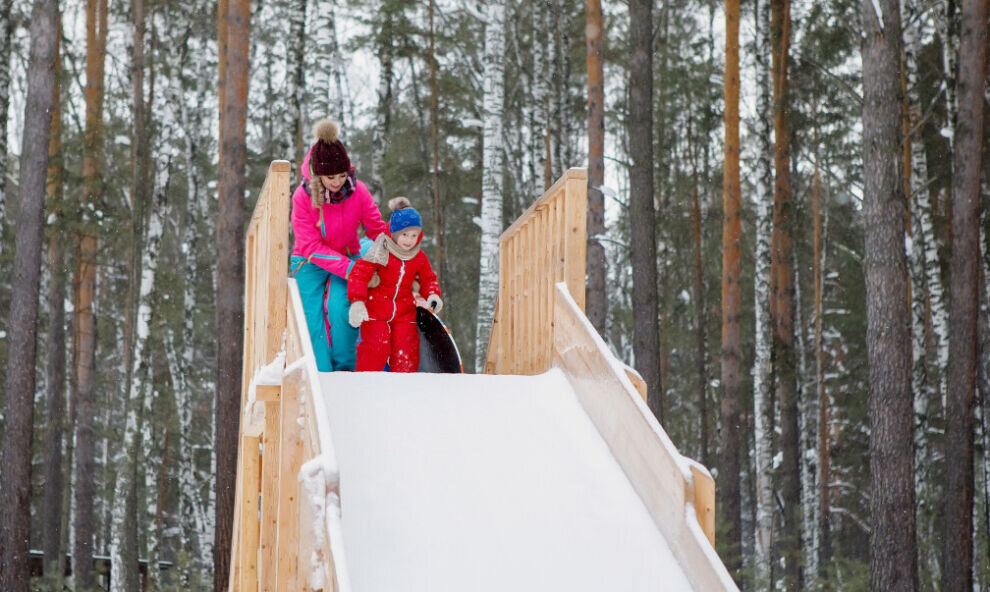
x,y
290,460
267,393
269,496
248,543
637,381
577,237
278,259
704,500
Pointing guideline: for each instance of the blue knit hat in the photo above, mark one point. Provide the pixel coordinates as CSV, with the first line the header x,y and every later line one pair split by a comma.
x,y
404,216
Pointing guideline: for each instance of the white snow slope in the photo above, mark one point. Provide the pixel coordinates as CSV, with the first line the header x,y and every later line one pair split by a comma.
x,y
484,483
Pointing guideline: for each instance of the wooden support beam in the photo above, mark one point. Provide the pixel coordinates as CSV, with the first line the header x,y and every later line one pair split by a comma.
x,y
248,515
290,460
269,496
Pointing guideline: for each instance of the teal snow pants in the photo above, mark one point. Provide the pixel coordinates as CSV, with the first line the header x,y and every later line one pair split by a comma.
x,y
325,304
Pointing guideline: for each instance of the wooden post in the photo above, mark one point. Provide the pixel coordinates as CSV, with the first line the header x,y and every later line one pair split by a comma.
x,y
704,501
269,495
248,516
290,460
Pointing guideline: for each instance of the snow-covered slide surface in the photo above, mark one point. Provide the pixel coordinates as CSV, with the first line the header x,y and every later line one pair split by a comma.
x,y
478,482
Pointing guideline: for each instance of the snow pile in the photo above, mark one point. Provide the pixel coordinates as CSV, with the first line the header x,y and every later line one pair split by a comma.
x,y
485,483
270,375
319,478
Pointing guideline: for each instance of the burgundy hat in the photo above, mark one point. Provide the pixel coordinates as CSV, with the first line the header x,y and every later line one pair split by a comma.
x,y
328,155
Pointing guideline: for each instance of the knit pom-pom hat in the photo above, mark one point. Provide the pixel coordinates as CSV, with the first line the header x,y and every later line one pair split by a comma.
x,y
328,156
404,216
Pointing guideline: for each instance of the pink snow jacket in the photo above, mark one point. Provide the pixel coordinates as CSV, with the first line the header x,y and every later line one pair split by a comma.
x,y
329,244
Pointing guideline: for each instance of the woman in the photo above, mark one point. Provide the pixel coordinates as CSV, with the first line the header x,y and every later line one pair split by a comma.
x,y
327,208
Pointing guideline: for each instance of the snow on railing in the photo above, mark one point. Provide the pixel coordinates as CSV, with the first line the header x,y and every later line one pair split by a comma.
x,y
545,245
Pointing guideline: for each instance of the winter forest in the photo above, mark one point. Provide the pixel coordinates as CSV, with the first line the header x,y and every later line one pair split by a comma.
x,y
787,238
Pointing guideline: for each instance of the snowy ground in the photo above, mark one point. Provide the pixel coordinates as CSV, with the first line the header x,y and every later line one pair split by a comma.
x,y
485,483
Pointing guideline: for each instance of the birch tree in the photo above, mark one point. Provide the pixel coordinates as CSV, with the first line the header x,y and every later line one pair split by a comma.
x,y
892,539
123,522
927,299
729,462
964,295
762,378
491,179
15,467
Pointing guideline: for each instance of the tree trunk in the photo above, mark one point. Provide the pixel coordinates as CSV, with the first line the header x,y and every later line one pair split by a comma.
x,y
84,327
823,553
230,281
439,232
595,301
731,435
123,523
927,302
542,59
15,512
321,54
782,309
385,48
491,180
642,218
964,299
51,505
699,318
762,377
297,79
6,28
892,538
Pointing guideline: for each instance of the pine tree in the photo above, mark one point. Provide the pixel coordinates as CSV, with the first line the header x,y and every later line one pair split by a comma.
x,y
84,295
230,279
595,302
892,539
15,469
731,437
964,298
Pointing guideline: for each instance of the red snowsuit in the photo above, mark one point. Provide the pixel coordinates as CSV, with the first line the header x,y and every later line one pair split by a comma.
x,y
390,334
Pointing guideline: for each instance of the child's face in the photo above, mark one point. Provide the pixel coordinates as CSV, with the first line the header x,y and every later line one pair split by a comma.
x,y
407,238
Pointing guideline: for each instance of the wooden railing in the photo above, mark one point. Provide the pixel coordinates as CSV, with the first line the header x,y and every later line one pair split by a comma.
x,y
546,245
273,521
670,485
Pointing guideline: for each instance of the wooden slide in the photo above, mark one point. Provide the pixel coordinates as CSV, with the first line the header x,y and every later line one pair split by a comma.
x,y
548,472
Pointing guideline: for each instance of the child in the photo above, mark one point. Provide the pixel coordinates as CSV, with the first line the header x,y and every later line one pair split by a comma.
x,y
386,311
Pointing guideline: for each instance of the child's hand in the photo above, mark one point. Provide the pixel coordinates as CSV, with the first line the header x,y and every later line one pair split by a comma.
x,y
357,314
435,303
420,301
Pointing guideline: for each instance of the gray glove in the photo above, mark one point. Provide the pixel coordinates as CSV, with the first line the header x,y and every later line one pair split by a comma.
x,y
435,303
357,314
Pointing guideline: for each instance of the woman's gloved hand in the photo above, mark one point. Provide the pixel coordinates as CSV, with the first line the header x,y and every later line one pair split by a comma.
x,y
357,314
435,303
374,281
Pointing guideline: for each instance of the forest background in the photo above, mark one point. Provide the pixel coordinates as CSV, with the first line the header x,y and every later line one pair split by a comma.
x,y
767,373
